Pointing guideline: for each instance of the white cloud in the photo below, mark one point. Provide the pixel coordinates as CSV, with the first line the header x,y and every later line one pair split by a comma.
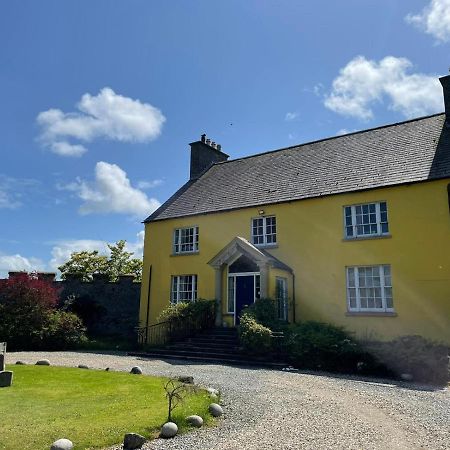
x,y
290,116
434,19
363,83
111,192
149,184
18,262
343,131
13,189
107,116
62,250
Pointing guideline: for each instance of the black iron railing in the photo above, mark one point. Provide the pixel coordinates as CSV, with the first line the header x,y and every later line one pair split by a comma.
x,y
163,333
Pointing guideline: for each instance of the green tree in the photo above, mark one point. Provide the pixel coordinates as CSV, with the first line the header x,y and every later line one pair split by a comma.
x,y
119,262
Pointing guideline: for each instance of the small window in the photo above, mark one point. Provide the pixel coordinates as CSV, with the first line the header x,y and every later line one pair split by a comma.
x,y
264,230
370,219
184,288
185,240
281,295
369,288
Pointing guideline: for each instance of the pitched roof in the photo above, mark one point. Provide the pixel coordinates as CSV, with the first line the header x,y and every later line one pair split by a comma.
x,y
407,152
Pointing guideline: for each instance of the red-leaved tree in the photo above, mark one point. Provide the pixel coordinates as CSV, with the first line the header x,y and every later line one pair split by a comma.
x,y
27,312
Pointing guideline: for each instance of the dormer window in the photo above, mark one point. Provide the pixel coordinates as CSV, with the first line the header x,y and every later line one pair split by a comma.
x,y
185,240
264,230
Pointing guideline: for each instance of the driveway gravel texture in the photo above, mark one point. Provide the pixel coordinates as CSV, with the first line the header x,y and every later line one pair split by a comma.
x,y
274,409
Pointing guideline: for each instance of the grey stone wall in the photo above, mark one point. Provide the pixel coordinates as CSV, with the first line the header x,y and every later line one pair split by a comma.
x,y
107,309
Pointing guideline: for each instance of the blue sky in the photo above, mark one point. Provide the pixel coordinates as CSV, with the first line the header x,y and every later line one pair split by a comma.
x,y
100,99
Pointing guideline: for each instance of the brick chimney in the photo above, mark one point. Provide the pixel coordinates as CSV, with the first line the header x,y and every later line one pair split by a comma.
x,y
445,81
204,153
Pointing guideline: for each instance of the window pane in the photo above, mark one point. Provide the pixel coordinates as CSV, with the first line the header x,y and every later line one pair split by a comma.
x,y
351,276
231,288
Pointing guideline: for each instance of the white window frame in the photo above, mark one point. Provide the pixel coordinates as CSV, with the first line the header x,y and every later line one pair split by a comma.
x,y
177,240
176,283
355,225
357,289
283,299
265,235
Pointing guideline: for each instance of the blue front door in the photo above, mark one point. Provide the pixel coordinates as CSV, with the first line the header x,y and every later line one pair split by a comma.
x,y
245,293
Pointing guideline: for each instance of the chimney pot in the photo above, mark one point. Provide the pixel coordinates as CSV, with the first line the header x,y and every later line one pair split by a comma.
x,y
203,155
219,147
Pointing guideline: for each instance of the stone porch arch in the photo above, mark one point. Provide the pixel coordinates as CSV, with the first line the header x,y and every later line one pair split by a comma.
x,y
229,254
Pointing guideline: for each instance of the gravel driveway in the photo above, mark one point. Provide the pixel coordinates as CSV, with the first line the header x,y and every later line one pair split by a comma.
x,y
268,409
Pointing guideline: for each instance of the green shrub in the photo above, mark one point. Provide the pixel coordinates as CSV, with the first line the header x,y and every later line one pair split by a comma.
x,y
264,311
254,337
200,309
322,346
63,331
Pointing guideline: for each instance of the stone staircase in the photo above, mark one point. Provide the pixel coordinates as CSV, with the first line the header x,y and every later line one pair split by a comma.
x,y
216,345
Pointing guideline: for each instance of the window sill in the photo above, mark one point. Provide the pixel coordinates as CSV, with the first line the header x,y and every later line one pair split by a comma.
x,y
371,314
185,253
367,238
266,245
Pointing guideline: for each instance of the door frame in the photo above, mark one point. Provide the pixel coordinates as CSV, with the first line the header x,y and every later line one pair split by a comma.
x,y
241,274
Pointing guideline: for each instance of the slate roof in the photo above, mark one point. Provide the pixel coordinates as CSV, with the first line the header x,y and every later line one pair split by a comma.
x,y
407,152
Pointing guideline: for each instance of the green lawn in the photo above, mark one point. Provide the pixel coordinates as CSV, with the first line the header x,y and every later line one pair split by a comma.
x,y
92,408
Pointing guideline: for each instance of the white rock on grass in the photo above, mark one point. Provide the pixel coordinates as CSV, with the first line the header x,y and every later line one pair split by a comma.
x,y
212,392
195,421
169,430
215,410
62,444
136,370
43,362
133,441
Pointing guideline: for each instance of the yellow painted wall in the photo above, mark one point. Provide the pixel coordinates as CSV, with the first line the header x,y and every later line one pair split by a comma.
x,y
310,240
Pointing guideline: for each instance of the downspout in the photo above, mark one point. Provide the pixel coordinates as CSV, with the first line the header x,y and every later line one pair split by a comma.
x,y
148,302
293,296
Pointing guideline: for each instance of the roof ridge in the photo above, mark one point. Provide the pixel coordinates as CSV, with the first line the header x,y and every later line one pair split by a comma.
x,y
380,127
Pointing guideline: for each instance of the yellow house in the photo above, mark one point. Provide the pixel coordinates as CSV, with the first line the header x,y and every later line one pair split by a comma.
x,y
353,230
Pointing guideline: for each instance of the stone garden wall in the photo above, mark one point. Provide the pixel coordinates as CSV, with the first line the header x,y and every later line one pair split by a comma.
x,y
107,308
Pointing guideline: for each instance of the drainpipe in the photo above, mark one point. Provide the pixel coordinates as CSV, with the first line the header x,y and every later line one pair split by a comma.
x,y
148,302
293,296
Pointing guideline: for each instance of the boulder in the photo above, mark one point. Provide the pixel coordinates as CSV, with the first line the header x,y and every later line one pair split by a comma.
x,y
136,370
186,380
62,444
43,362
21,363
215,410
132,441
195,421
6,378
169,430
83,366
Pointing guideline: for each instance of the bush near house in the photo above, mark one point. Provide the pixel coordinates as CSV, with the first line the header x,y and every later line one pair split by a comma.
x,y
29,318
188,310
322,346
254,337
